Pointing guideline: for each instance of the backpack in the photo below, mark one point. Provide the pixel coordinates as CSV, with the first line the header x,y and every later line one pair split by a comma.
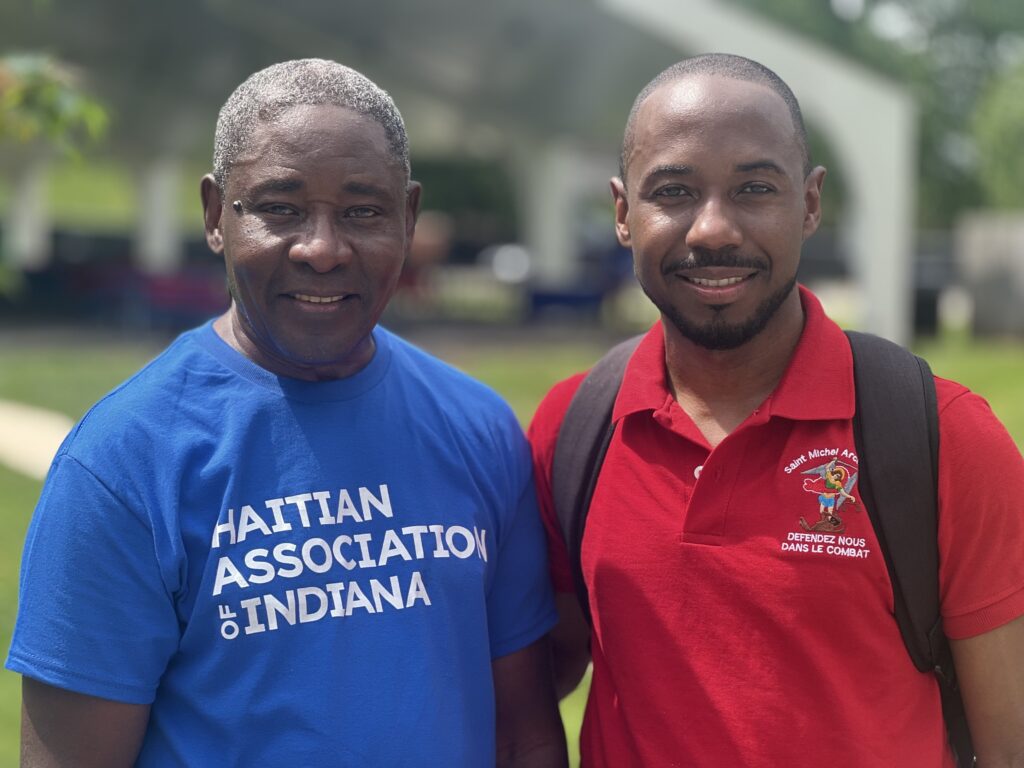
x,y
896,435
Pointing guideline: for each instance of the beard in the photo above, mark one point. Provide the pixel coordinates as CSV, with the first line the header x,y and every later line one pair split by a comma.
x,y
717,334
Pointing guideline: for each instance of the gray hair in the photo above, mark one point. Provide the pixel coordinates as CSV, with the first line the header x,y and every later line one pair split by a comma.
x,y
266,94
726,65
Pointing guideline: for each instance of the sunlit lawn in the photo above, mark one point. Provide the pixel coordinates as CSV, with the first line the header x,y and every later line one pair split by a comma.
x,y
68,377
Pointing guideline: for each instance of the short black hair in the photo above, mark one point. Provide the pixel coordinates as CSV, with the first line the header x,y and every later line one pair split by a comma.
x,y
726,65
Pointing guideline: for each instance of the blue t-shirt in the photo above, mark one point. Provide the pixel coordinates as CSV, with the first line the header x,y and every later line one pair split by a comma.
x,y
291,573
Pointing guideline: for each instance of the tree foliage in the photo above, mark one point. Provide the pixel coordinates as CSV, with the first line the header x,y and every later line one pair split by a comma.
x,y
40,99
999,138
945,52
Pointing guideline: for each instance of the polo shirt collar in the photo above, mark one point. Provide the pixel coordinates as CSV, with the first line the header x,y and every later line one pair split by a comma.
x,y
817,384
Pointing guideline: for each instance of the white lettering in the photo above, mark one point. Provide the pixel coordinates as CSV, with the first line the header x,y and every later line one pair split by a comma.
x,y
280,524
249,521
382,504
275,608
322,497
481,542
438,531
346,508
228,528
417,591
416,531
305,614
254,626
393,598
392,546
307,555
300,503
283,554
227,573
356,599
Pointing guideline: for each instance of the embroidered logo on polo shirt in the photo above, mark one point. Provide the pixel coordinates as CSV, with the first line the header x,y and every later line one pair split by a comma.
x,y
832,485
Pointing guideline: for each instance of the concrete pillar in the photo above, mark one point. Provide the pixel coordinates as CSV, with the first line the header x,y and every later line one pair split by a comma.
x,y
28,227
158,244
547,197
880,170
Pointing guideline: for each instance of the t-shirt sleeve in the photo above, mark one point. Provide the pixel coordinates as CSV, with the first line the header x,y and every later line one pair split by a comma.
x,y
520,605
981,517
543,433
94,615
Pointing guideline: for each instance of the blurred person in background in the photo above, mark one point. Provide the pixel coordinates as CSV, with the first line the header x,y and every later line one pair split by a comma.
x,y
293,538
722,630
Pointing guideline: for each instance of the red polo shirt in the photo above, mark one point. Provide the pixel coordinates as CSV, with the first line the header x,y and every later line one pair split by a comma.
x,y
728,634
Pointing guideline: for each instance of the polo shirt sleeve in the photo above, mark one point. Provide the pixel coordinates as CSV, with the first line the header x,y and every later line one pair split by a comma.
x,y
543,433
94,614
981,516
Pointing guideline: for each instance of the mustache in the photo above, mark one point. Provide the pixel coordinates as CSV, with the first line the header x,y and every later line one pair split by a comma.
x,y
725,257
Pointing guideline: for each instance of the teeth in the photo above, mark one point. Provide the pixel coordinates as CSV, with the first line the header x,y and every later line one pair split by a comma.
x,y
317,299
703,281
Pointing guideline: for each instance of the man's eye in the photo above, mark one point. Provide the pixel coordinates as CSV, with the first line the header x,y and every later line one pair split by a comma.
x,y
673,190
278,209
757,187
360,212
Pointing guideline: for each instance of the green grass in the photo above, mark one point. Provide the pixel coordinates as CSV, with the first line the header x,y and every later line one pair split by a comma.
x,y
68,377
993,369
17,498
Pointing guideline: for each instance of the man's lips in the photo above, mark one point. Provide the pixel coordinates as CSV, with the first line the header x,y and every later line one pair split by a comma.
x,y
310,298
723,282
700,267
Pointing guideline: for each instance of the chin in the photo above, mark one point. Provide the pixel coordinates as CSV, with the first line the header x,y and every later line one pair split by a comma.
x,y
719,334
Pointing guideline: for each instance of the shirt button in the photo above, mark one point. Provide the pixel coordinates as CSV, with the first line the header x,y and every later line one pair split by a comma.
x,y
697,471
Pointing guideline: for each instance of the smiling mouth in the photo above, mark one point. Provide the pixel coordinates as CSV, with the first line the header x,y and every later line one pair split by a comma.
x,y
705,282
318,299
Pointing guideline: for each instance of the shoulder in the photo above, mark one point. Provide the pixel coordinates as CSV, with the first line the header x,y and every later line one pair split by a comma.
x,y
969,428
144,403
435,382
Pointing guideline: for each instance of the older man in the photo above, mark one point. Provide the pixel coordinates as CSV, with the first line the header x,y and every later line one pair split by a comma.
x,y
292,539
716,641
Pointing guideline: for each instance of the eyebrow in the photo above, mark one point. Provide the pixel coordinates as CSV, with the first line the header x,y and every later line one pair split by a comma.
x,y
760,165
688,170
364,188
275,185
294,185
667,170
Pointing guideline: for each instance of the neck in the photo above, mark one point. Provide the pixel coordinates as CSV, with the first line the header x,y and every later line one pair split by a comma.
x,y
719,389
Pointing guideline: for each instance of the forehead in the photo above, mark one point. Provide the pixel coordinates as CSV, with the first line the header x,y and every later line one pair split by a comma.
x,y
713,116
315,144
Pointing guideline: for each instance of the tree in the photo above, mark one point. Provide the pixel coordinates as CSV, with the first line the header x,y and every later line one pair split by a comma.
x,y
944,52
40,99
999,137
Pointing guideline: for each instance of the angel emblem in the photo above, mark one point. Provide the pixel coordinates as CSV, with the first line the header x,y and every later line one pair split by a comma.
x,y
832,484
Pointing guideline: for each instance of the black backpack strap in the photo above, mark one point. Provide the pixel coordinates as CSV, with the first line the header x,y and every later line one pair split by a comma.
x,y
580,447
896,432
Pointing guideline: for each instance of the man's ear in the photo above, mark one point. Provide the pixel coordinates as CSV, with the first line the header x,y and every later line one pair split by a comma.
x,y
412,209
621,211
213,208
812,200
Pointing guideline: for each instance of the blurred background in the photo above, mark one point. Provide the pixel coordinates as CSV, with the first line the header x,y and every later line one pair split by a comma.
x,y
515,112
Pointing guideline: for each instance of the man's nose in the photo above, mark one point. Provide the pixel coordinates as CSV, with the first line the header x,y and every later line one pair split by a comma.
x,y
714,226
322,244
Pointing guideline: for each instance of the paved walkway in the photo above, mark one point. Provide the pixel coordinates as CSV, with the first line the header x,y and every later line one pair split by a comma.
x,y
29,437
